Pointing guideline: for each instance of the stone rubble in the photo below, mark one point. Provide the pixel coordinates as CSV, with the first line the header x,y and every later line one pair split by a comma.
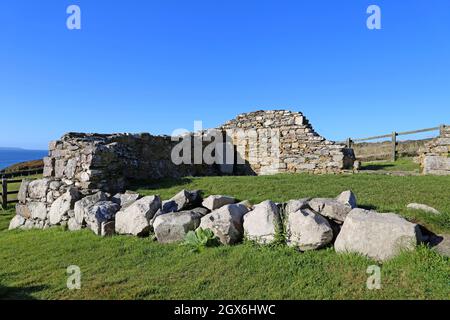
x,y
305,224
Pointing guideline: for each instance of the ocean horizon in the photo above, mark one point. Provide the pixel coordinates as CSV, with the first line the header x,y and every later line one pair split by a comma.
x,y
9,157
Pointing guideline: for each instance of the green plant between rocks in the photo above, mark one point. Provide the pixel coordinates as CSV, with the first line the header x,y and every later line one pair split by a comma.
x,y
200,239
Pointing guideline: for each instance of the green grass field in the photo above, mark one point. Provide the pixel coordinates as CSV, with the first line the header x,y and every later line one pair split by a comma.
x,y
33,263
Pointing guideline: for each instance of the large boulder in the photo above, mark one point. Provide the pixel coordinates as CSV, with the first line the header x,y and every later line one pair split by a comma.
x,y
82,206
216,201
62,205
379,236
125,199
100,213
37,189
348,198
263,222
182,201
226,223
173,227
136,218
16,222
307,230
330,208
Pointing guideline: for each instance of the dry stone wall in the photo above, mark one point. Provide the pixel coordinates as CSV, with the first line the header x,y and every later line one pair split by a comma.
x,y
435,158
284,141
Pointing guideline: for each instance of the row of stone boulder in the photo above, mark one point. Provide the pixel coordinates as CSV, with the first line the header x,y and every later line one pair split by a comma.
x,y
307,224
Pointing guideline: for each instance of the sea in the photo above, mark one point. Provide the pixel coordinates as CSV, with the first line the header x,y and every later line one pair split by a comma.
x,y
12,156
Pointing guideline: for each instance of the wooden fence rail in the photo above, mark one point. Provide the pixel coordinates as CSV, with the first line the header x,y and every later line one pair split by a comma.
x,y
5,179
394,152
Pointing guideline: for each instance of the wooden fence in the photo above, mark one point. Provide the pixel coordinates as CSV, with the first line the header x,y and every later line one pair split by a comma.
x,y
393,136
6,179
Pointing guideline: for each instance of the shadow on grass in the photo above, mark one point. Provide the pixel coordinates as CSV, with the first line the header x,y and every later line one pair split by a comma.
x,y
20,293
376,167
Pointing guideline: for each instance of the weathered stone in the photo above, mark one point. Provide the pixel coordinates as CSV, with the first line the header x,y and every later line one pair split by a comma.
x,y
247,204
22,195
125,199
23,211
262,223
82,206
330,208
37,189
62,205
422,207
296,205
443,247
201,211
16,222
38,210
348,198
216,201
184,200
136,219
226,223
73,225
99,213
307,230
379,236
173,227
29,224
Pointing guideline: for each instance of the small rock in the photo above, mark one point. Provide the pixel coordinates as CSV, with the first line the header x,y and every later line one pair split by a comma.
x,y
62,205
16,222
125,199
330,208
73,225
347,198
422,207
296,205
82,206
217,201
100,213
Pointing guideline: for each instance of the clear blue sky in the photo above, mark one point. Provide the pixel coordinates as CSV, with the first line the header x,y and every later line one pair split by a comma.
x,y
154,66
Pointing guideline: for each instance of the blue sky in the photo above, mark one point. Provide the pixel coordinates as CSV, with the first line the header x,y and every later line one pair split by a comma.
x,y
155,66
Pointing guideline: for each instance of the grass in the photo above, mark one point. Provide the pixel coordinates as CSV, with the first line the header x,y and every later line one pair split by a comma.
x,y
33,263
402,164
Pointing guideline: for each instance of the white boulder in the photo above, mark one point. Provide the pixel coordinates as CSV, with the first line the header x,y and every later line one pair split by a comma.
x,y
379,236
136,219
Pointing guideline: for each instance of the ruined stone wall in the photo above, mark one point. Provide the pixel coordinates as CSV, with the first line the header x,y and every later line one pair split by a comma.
x,y
284,141
435,158
110,162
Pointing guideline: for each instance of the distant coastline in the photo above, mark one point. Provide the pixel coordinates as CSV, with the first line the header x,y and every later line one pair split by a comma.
x,y
11,156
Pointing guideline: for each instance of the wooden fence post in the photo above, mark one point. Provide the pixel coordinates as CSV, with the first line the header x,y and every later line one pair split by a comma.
x,y
394,146
349,142
4,193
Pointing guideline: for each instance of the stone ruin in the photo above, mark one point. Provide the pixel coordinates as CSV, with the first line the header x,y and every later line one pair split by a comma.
x,y
435,158
93,167
86,176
